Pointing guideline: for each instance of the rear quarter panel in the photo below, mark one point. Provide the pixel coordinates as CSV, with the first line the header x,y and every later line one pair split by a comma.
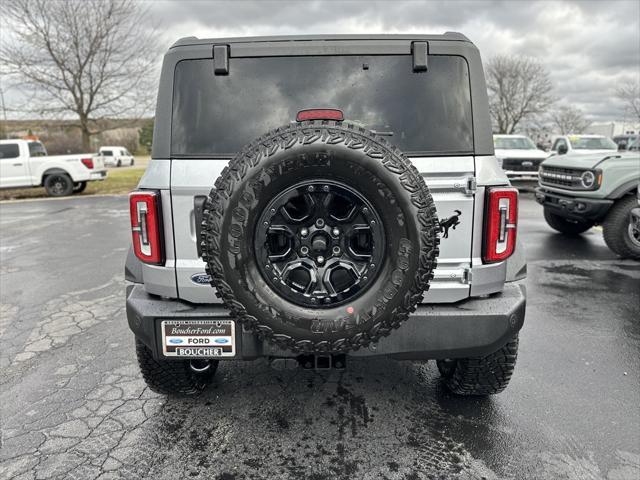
x,y
69,163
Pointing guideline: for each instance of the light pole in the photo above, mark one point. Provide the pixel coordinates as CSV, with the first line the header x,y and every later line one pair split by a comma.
x,y
4,114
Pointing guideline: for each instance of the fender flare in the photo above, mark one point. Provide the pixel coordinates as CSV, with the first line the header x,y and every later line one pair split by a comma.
x,y
624,189
51,171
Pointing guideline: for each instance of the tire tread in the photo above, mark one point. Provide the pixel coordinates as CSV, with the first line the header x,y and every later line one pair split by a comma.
x,y
171,377
614,228
482,376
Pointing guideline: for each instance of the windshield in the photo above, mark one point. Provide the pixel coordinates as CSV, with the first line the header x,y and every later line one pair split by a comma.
x,y
513,143
425,112
592,143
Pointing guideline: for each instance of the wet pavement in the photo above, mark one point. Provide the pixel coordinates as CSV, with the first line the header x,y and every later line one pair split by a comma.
x,y
73,405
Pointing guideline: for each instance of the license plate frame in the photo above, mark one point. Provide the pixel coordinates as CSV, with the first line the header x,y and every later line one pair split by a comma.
x,y
198,338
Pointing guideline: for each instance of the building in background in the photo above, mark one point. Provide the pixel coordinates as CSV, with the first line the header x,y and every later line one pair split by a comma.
x,y
611,129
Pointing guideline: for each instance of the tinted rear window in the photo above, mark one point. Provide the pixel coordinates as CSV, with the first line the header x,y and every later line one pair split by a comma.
x,y
426,112
9,150
36,149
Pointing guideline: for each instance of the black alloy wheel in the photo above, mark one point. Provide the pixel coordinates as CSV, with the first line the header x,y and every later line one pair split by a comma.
x,y
58,185
319,243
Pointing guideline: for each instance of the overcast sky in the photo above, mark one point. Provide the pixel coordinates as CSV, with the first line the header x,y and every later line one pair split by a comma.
x,y
588,46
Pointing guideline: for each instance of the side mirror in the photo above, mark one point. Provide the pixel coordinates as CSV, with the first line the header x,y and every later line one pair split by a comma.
x,y
562,149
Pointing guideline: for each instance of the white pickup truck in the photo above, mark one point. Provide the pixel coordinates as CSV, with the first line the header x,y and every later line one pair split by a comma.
x,y
25,163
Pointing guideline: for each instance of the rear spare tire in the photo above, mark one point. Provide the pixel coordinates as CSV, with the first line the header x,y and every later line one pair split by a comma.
x,y
320,237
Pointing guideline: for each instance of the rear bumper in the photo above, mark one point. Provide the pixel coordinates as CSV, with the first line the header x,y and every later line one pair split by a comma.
x,y
89,175
98,175
574,208
473,327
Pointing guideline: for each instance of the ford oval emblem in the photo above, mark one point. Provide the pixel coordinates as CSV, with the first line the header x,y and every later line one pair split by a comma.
x,y
175,341
201,279
221,340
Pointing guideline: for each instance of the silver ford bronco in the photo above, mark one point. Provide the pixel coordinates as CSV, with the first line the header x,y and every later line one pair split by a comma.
x,y
319,198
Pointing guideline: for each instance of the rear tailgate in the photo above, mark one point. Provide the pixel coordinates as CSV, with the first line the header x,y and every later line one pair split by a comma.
x,y
448,178
98,162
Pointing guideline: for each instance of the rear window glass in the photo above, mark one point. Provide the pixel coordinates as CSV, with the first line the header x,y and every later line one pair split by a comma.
x,y
36,149
421,112
107,153
9,150
592,143
513,143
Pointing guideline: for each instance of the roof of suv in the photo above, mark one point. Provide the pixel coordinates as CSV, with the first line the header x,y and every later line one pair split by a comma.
x,y
583,135
451,36
446,44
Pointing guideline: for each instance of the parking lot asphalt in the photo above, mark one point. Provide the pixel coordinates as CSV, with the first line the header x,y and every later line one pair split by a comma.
x,y
73,405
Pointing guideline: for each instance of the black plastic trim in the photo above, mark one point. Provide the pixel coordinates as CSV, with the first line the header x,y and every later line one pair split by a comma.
x,y
563,205
420,51
198,209
221,59
472,327
624,189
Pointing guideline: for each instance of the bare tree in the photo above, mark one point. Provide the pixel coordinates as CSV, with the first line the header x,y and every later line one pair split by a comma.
x,y
519,89
629,93
92,59
569,120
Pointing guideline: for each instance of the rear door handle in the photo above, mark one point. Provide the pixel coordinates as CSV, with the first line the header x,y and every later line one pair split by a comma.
x,y
17,164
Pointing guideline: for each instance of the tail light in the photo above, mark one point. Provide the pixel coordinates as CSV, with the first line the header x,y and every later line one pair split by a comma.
x,y
501,224
146,226
320,114
87,162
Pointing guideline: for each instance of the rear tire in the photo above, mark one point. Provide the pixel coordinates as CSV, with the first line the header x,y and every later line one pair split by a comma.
x,y
58,185
562,225
620,232
119,164
79,187
480,376
172,377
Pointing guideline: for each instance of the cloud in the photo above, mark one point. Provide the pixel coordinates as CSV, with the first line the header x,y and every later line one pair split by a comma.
x,y
588,46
